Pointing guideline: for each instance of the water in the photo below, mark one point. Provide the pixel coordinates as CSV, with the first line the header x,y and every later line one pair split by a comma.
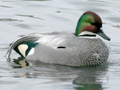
x,y
19,17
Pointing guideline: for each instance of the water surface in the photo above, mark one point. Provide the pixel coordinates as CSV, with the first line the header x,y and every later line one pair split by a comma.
x,y
20,17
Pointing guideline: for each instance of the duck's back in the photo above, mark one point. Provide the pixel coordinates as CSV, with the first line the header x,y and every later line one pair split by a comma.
x,y
70,50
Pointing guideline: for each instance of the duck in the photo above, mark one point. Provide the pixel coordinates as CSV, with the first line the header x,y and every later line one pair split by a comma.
x,y
84,47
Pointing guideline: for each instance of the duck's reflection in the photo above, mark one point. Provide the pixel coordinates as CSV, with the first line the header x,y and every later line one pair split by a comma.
x,y
82,78
21,62
88,83
90,78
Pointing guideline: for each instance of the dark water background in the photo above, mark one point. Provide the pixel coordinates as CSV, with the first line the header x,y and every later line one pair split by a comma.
x,y
19,17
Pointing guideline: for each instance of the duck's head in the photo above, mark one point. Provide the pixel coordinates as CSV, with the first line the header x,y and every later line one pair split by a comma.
x,y
90,23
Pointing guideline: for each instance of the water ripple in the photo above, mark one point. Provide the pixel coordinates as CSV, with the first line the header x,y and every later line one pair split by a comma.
x,y
9,19
6,6
31,16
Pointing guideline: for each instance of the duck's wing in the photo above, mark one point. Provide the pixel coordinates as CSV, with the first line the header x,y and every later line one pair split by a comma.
x,y
34,39
24,39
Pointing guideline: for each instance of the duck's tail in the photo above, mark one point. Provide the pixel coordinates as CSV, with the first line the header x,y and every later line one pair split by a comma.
x,y
22,46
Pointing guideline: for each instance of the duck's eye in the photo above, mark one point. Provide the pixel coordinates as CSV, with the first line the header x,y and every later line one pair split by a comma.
x,y
92,23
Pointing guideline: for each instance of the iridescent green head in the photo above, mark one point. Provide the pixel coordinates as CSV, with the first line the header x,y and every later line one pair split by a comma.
x,y
91,22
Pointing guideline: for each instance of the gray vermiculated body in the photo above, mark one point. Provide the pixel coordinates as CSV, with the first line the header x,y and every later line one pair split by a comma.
x,y
77,51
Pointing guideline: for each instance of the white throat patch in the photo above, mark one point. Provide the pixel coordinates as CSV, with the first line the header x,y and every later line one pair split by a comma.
x,y
87,33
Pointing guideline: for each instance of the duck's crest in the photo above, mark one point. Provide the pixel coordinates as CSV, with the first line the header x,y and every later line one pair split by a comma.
x,y
89,21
